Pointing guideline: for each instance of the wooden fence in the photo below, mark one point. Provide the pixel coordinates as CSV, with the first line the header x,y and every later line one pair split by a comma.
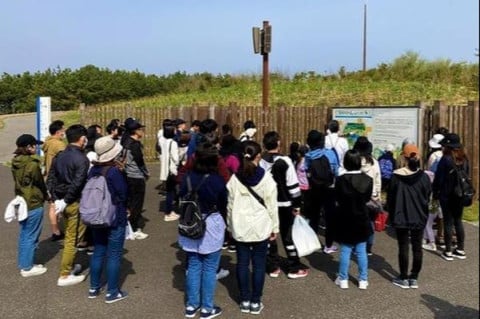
x,y
293,123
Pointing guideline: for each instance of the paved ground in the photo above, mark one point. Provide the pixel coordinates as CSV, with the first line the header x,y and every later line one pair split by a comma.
x,y
153,274
14,126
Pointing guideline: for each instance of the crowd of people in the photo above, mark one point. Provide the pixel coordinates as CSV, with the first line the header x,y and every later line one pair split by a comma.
x,y
249,194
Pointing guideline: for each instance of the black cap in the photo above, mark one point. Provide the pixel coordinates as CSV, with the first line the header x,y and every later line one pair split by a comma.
x,y
27,139
131,124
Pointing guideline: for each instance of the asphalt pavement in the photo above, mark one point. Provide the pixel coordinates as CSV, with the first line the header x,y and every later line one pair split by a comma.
x,y
153,274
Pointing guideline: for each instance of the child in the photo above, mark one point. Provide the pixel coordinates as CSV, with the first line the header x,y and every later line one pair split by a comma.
x,y
353,191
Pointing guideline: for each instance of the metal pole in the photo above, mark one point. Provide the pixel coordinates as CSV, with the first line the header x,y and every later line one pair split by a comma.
x,y
364,37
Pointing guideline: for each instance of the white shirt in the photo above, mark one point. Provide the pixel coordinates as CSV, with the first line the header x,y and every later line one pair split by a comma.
x,y
340,144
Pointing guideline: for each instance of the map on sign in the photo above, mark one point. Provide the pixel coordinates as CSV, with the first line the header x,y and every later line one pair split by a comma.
x,y
382,125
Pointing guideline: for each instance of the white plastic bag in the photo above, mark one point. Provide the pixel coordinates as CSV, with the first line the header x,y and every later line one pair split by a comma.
x,y
304,238
129,232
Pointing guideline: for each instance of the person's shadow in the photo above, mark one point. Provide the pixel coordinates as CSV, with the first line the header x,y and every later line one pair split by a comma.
x,y
442,309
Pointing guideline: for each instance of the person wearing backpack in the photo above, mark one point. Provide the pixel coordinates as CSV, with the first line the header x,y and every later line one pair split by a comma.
x,y
322,166
252,218
108,241
288,202
453,162
407,201
387,164
29,184
203,254
65,182
335,142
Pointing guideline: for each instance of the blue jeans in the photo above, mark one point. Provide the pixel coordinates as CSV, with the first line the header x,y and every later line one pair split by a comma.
x,y
108,243
201,279
30,230
257,253
362,260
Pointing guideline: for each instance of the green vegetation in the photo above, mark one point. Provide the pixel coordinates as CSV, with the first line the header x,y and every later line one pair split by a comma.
x,y
471,213
407,79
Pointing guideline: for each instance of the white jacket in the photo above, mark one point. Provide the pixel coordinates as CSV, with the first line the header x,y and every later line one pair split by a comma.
x,y
16,209
374,172
247,219
169,158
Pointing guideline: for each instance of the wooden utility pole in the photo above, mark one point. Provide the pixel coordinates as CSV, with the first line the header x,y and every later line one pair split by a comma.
x,y
266,47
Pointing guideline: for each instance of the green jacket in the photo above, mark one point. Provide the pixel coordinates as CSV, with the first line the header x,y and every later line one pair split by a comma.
x,y
29,181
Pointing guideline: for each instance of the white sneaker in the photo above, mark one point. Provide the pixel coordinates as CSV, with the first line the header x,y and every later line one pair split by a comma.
x,y
36,270
171,217
430,247
341,283
139,234
70,280
222,273
363,284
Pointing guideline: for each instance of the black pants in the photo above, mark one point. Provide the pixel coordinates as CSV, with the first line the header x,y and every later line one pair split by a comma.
x,y
416,236
293,261
318,198
452,210
136,197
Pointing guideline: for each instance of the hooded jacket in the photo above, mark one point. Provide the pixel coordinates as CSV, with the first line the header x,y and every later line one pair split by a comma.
x,y
247,219
29,182
284,174
52,146
373,170
353,190
408,198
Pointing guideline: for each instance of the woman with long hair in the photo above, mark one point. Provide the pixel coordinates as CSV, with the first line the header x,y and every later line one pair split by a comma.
x,y
453,159
203,255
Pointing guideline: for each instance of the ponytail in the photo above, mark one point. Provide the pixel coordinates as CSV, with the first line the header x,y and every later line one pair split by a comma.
x,y
250,151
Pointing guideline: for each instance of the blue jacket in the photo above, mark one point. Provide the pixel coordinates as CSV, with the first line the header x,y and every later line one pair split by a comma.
x,y
319,152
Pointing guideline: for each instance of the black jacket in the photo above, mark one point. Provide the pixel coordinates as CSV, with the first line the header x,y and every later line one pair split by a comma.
x,y
68,174
352,222
444,182
407,200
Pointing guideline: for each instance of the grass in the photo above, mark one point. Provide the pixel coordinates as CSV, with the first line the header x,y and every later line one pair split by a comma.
x,y
470,214
69,117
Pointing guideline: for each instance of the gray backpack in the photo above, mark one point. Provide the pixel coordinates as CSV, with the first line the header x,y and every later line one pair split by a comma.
x,y
97,209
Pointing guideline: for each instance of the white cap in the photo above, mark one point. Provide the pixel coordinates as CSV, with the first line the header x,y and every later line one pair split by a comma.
x,y
434,142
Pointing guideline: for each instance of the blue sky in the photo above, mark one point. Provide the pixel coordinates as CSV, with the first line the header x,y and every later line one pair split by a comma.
x,y
163,37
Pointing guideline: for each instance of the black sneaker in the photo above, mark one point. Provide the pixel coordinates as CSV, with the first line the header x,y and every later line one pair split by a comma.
x,y
232,249
245,306
413,283
56,237
402,283
256,308
447,256
460,254
215,312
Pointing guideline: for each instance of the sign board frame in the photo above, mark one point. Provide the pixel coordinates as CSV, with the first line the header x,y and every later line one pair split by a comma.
x,y
382,125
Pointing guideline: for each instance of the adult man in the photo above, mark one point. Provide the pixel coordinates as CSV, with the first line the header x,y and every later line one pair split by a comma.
x,y
289,201
53,145
137,174
65,182
337,143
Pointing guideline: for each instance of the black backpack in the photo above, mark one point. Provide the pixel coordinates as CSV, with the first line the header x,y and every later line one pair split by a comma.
x,y
320,173
463,187
191,223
